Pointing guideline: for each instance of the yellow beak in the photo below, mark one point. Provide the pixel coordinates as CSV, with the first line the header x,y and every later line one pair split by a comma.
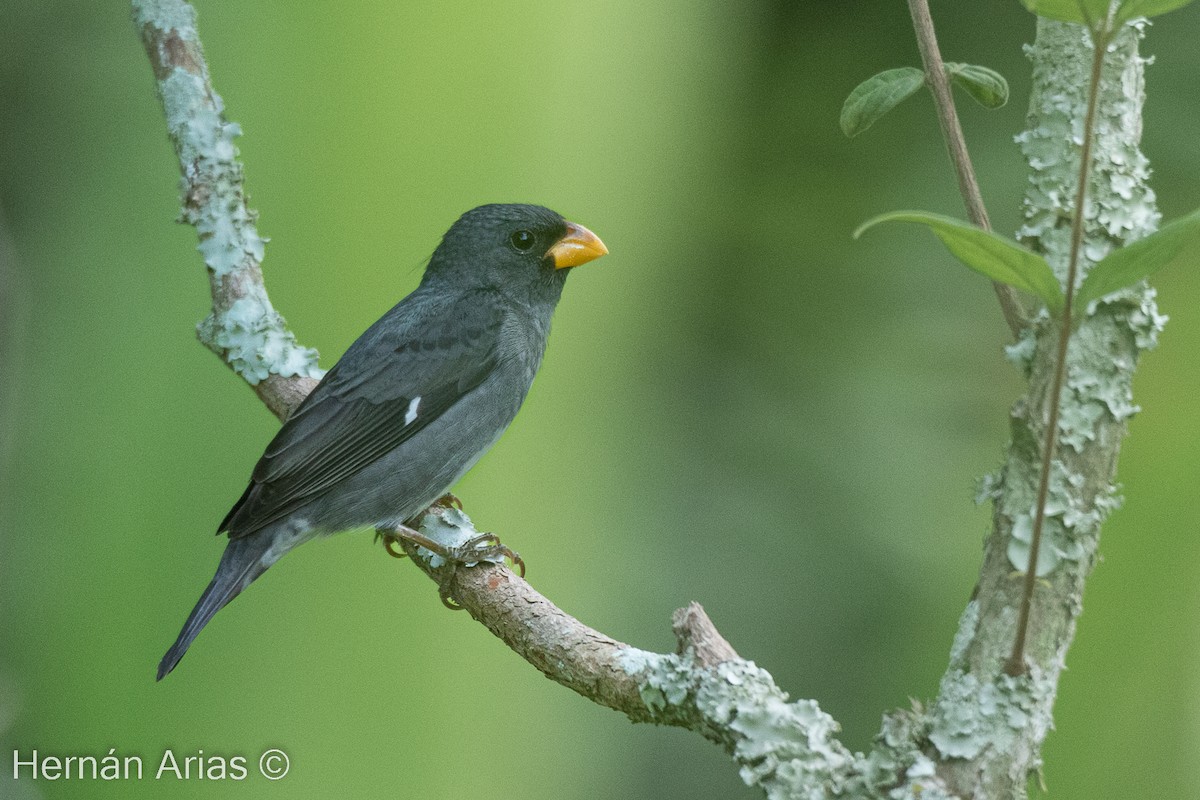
x,y
579,246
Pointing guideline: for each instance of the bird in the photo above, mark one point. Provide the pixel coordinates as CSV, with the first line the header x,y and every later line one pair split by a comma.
x,y
413,403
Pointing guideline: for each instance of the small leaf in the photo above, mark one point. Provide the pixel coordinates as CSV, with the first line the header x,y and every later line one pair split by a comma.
x,y
987,86
878,95
1147,8
1178,240
1082,11
985,252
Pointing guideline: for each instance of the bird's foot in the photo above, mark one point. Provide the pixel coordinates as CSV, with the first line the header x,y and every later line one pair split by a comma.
x,y
485,547
448,500
392,540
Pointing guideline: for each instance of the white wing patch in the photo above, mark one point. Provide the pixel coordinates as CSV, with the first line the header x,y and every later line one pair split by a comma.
x,y
411,414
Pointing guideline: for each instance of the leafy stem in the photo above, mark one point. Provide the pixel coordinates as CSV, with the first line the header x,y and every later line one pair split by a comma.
x,y
968,185
1101,37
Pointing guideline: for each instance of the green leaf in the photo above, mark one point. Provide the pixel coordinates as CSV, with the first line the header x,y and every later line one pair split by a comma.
x,y
987,86
1082,11
1092,12
878,95
985,252
1147,8
1175,241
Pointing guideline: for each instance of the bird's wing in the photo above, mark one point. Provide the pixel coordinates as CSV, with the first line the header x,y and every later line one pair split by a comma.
x,y
402,374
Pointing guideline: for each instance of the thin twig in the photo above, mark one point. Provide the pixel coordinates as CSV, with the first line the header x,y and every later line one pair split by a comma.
x,y
956,144
1016,662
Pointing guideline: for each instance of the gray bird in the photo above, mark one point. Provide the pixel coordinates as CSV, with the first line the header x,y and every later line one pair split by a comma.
x,y
413,403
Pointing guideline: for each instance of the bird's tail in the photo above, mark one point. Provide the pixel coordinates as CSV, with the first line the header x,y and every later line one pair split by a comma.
x,y
245,558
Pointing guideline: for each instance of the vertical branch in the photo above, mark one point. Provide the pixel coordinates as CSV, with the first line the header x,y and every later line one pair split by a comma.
x,y
956,144
1016,662
989,749
244,329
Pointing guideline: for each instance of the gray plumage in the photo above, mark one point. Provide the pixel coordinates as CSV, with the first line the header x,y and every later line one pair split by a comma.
x,y
410,407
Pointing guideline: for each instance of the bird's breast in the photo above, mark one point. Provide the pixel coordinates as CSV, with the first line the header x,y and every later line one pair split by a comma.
x,y
520,347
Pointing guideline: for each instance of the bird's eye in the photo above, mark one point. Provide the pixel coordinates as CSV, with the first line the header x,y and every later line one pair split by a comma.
x,y
522,240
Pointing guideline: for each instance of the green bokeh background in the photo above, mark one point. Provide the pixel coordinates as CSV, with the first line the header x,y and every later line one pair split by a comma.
x,y
740,405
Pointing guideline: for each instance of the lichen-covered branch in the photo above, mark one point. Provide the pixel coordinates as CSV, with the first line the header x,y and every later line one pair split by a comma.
x,y
705,686
986,727
982,736
244,329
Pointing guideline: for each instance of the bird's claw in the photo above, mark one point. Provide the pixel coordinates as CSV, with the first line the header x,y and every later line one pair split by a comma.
x,y
448,500
391,542
485,547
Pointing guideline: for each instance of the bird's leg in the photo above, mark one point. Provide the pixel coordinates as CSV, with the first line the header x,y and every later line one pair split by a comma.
x,y
484,547
392,538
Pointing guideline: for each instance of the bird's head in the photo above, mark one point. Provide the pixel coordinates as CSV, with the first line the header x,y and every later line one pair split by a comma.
x,y
522,250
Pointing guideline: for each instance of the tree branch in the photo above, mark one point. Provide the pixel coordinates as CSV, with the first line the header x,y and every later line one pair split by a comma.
x,y
990,750
243,329
705,686
1016,662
